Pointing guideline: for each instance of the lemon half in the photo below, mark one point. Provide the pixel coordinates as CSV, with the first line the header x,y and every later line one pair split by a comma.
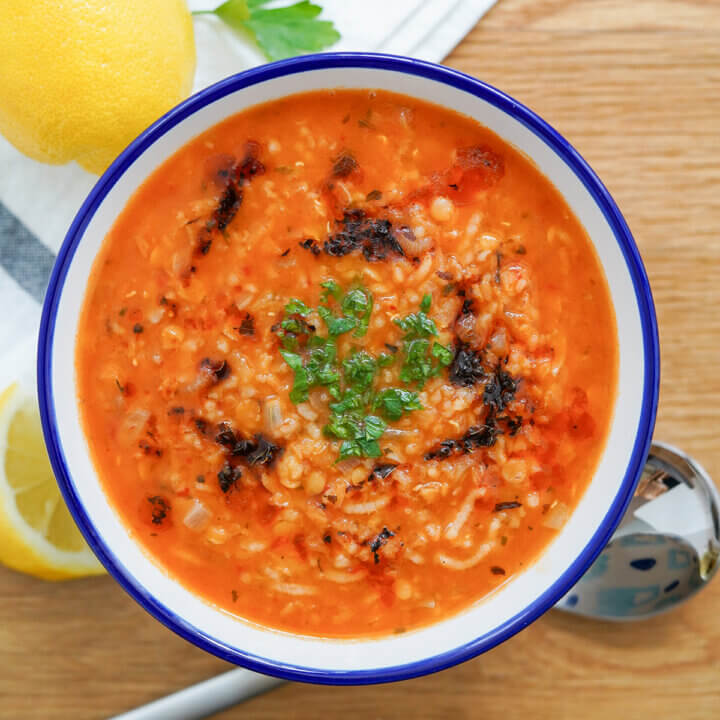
x,y
37,533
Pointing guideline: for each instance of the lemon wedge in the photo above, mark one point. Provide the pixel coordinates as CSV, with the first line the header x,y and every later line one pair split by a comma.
x,y
37,533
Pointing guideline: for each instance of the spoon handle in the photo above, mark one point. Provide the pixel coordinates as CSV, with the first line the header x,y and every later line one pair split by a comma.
x,y
205,698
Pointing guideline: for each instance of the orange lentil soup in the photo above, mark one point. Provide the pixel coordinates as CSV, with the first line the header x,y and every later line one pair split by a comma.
x,y
346,364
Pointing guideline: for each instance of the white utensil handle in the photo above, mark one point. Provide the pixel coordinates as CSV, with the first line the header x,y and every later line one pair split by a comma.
x,y
206,698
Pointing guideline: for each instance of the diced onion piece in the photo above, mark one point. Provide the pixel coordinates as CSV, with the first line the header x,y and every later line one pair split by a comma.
x,y
243,299
344,467
155,315
465,329
306,411
181,261
272,412
556,516
133,424
498,341
197,517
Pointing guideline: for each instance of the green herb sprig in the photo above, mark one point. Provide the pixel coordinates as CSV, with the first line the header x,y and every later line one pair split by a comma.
x,y
422,361
280,32
360,412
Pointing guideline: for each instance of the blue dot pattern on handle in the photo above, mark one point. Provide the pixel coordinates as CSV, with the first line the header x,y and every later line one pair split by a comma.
x,y
643,564
679,559
598,568
572,601
625,601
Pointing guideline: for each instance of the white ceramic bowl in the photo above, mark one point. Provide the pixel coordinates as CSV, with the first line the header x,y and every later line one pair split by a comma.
x,y
519,601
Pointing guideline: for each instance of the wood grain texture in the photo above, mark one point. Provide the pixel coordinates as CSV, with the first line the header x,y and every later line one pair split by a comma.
x,y
635,86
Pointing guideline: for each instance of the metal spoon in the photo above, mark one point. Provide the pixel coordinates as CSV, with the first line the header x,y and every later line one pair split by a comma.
x,y
665,549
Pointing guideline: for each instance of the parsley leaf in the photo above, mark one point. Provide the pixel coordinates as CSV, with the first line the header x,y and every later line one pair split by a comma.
x,y
345,427
280,32
419,366
351,400
417,325
385,359
301,383
359,448
443,354
336,325
318,369
358,303
360,437
395,402
374,427
322,368
359,369
331,289
297,307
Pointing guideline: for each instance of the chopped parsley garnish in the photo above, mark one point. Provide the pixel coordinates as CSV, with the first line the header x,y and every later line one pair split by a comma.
x,y
336,325
358,304
294,324
301,384
330,289
359,369
359,434
420,366
417,325
359,411
393,403
297,307
422,361
443,354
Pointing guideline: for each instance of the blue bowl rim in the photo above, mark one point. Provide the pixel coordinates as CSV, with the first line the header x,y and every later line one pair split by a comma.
x,y
651,354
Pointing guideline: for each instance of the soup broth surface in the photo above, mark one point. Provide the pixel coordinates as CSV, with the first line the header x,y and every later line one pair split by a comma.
x,y
346,363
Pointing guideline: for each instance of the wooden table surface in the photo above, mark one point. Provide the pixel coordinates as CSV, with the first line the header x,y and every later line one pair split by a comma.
x,y
635,86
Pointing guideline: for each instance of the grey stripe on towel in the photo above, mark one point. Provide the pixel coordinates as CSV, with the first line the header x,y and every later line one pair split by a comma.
x,y
24,257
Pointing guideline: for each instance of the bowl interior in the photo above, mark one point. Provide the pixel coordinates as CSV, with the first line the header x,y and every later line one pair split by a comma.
x,y
518,601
